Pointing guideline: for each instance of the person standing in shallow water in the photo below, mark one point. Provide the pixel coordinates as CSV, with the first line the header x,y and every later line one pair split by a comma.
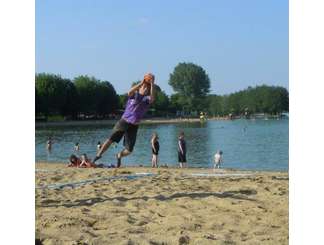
x,y
182,151
218,159
77,147
49,144
98,146
155,150
140,97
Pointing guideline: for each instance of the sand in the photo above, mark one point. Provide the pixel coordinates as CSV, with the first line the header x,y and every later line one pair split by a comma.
x,y
171,207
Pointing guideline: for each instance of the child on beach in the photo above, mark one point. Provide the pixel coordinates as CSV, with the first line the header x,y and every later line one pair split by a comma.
x,y
140,97
155,149
218,159
182,150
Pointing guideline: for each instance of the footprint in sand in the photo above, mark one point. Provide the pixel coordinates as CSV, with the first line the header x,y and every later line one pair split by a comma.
x,y
56,178
184,240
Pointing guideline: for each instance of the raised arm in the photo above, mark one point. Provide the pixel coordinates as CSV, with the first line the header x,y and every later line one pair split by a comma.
x,y
135,88
152,95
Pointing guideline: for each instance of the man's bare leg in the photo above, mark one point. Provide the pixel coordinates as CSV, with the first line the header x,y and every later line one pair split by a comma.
x,y
155,160
103,148
121,154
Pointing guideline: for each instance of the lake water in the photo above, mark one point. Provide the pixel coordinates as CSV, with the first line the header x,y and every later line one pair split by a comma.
x,y
246,144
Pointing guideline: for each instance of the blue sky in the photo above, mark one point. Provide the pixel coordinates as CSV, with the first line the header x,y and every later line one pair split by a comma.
x,y
239,43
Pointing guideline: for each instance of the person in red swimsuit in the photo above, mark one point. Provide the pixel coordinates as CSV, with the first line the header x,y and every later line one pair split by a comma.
x,y
86,162
74,161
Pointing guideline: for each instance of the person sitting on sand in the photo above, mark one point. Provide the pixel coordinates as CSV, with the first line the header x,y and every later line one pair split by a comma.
x,y
86,162
182,150
74,161
140,97
218,159
155,149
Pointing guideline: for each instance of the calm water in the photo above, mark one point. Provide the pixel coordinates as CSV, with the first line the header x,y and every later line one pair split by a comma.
x,y
246,144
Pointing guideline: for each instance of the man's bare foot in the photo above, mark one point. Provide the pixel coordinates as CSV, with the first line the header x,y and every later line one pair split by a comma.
x,y
96,158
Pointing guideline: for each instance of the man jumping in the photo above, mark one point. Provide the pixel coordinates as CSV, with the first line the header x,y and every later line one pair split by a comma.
x,y
140,97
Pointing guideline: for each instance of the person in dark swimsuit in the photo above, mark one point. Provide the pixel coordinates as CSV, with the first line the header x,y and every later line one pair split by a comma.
x,y
155,150
182,150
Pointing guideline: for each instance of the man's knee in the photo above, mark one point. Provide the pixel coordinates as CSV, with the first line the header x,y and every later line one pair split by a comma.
x,y
129,148
126,152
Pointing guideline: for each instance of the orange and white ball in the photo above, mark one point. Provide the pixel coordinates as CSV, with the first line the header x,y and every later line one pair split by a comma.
x,y
148,78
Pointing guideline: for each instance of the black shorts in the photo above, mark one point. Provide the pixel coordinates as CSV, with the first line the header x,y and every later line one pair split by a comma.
x,y
181,157
155,152
128,130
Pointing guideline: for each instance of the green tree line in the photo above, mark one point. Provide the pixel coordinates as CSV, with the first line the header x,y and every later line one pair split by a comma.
x,y
86,96
260,99
83,96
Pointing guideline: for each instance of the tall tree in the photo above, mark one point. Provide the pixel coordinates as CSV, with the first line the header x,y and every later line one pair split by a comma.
x,y
107,99
51,93
191,82
71,103
87,90
97,97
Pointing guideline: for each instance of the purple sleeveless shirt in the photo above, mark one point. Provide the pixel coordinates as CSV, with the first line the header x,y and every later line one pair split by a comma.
x,y
136,107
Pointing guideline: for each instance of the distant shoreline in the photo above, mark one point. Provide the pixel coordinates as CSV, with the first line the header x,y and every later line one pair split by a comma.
x,y
172,166
113,121
41,124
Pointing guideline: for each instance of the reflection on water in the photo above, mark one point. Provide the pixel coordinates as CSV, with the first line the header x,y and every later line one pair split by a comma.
x,y
246,144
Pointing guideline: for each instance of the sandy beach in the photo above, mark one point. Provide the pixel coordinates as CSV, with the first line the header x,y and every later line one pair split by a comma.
x,y
138,205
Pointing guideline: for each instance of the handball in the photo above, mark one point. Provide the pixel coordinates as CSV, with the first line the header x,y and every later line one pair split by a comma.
x,y
148,78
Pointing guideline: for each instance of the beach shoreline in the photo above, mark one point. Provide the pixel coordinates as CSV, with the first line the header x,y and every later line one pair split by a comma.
x,y
162,206
174,166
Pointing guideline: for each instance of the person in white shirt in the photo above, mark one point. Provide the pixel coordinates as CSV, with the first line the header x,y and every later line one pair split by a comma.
x,y
98,146
218,159
77,146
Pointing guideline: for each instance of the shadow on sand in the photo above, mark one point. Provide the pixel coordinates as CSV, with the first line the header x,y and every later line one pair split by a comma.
x,y
240,195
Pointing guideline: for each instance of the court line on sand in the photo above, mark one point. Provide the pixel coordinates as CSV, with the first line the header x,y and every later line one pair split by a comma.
x,y
131,177
91,181
220,174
